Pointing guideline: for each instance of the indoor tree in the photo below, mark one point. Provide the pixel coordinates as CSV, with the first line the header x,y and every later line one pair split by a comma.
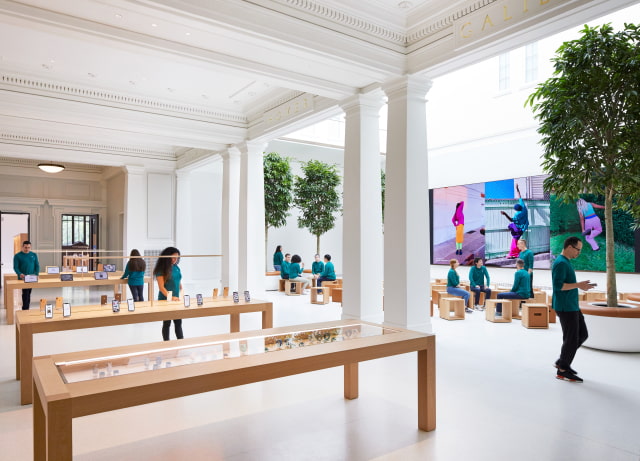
x,y
317,198
589,114
278,187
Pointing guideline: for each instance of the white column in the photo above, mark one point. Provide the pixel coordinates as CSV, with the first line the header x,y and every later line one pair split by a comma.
x,y
251,251
362,216
230,210
184,218
135,209
406,230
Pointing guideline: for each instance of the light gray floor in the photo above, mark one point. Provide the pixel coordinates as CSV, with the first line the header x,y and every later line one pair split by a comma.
x,y
497,400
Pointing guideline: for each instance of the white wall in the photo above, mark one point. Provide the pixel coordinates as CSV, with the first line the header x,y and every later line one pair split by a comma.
x,y
11,225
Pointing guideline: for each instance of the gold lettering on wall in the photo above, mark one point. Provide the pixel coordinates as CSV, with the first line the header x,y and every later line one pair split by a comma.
x,y
544,2
464,32
505,15
526,7
487,20
296,106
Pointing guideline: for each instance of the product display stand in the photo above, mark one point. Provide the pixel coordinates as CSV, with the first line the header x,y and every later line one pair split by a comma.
x,y
68,386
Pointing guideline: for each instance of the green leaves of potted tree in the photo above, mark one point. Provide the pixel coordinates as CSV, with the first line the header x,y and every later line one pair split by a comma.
x,y
589,113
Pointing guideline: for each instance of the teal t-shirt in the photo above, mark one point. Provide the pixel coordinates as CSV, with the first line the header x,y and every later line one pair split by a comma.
x,y
134,278
26,263
328,271
317,267
284,269
522,283
562,272
294,270
477,276
453,279
527,257
278,257
172,284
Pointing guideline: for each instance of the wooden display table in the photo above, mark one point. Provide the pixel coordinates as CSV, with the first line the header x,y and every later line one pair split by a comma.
x,y
79,280
57,401
29,323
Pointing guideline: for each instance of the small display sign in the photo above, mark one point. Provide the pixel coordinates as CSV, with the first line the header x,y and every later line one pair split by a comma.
x,y
53,270
48,311
66,310
30,278
100,275
109,267
66,277
81,269
131,306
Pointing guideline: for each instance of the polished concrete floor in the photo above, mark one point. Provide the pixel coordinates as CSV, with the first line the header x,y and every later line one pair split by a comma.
x,y
497,399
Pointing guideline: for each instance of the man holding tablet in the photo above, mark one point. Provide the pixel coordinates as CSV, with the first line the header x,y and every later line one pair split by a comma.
x,y
26,263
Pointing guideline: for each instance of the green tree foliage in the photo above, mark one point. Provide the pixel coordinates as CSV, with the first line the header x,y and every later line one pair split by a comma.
x,y
278,186
317,198
589,114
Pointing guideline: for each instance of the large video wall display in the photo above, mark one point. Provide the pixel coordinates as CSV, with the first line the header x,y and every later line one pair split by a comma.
x,y
485,220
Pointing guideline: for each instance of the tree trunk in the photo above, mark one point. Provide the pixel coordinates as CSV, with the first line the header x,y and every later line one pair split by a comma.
x,y
612,290
266,249
317,244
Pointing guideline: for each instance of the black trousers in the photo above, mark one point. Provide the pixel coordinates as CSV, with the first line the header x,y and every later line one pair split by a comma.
x,y
166,326
574,334
477,289
137,291
26,298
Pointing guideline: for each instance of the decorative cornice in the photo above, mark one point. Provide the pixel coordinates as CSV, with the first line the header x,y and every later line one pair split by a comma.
x,y
77,145
411,37
119,98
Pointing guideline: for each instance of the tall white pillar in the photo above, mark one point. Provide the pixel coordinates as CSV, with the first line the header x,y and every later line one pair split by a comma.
x,y
230,216
251,261
362,216
135,209
406,230
184,218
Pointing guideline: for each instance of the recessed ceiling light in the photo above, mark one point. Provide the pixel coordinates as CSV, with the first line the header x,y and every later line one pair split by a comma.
x,y
51,167
187,33
119,16
154,25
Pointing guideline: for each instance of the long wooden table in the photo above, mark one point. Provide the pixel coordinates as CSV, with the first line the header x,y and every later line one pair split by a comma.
x,y
29,323
79,280
58,400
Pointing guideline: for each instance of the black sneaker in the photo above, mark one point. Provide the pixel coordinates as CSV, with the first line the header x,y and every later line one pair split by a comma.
x,y
468,311
568,376
571,370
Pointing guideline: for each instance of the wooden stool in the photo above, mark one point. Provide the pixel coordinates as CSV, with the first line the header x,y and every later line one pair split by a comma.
x,y
336,294
490,311
435,296
552,315
292,288
515,307
535,315
281,284
325,292
448,305
539,297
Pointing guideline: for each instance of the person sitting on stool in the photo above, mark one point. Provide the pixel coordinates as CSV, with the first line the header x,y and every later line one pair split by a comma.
x,y
521,286
477,274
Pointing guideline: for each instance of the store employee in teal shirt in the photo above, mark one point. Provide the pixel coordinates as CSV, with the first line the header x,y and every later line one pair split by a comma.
x,y
169,278
26,263
328,272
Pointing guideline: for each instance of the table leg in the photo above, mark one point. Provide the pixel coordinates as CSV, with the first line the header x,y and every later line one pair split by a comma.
x,y
59,431
427,387
150,292
351,381
39,427
267,318
26,370
235,322
17,352
10,306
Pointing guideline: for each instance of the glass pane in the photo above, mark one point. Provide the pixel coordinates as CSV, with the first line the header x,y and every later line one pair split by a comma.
x,y
107,366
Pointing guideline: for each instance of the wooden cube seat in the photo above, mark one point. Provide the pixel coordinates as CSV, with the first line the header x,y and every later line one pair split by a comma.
x,y
320,292
336,294
535,315
447,306
490,310
281,284
292,287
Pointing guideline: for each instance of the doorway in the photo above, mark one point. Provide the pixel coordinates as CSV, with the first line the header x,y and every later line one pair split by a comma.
x,y
14,229
79,237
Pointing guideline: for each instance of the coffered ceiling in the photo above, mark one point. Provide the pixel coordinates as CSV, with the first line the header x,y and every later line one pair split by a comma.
x,y
117,82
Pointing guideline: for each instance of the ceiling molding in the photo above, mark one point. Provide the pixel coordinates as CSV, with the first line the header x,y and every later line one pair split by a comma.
x,y
29,163
10,138
81,94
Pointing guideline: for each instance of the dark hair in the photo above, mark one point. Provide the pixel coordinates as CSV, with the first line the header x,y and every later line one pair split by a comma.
x,y
26,242
519,262
327,257
288,254
136,264
163,265
475,260
517,207
279,248
571,242
296,259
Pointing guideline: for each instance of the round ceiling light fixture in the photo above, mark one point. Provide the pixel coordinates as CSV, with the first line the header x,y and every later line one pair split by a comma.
x,y
50,167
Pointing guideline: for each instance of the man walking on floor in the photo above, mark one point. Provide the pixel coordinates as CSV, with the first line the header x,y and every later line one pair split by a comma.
x,y
565,303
